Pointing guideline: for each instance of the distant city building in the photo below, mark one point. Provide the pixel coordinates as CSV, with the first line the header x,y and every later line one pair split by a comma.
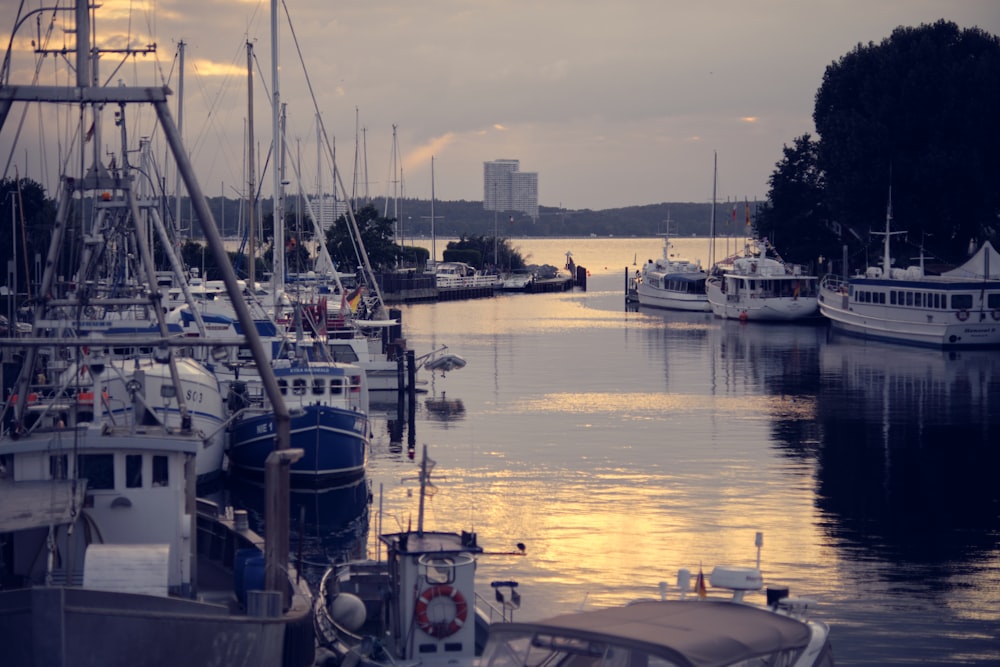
x,y
327,209
507,189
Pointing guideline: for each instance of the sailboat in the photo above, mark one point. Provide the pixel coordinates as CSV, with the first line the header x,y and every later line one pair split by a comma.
x,y
112,555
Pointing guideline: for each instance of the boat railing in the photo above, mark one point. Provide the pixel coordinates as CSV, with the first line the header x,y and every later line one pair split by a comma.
x,y
834,283
496,613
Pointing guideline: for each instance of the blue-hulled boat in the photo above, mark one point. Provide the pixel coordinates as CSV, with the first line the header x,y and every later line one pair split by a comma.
x,y
329,422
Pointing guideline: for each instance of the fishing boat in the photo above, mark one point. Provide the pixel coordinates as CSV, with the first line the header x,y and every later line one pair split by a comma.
x,y
695,630
108,554
672,282
759,286
329,404
418,605
959,308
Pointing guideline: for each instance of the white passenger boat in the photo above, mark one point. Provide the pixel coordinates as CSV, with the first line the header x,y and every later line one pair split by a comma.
x,y
755,286
672,282
956,309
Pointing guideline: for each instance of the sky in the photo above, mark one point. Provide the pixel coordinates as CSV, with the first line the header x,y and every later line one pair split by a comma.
x,y
611,103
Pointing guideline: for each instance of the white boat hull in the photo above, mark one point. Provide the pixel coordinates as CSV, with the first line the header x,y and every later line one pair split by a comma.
x,y
911,325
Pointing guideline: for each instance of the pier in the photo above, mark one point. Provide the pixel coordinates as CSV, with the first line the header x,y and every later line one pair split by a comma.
x,y
415,288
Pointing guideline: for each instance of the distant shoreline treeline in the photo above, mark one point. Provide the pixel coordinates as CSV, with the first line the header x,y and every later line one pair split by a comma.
x,y
462,217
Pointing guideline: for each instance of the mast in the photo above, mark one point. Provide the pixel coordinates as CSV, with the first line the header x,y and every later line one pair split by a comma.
x,y
711,226
251,173
433,239
180,132
278,151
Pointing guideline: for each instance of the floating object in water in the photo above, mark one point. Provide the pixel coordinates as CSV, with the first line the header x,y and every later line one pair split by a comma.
x,y
445,363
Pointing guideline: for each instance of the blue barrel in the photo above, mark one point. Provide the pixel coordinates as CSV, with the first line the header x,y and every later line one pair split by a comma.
x,y
239,571
253,576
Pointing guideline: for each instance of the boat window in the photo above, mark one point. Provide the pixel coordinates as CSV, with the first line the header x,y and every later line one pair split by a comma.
x,y
299,386
343,353
993,301
133,471
283,387
881,297
909,298
892,297
161,471
439,570
97,469
961,301
58,466
336,386
319,386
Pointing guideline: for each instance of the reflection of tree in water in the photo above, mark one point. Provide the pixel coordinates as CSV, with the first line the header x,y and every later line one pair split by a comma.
x,y
909,458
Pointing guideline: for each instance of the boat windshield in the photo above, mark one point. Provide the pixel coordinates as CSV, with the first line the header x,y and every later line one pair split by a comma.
x,y
547,650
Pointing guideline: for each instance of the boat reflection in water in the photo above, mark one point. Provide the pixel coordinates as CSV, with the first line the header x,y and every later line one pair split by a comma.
x,y
327,525
445,409
908,467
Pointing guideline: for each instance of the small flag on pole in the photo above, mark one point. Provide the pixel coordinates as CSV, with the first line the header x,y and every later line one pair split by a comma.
x,y
700,584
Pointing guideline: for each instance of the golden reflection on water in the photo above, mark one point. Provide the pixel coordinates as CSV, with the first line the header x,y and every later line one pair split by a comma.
x,y
769,407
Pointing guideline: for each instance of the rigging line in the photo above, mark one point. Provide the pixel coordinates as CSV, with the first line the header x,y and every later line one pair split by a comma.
x,y
24,110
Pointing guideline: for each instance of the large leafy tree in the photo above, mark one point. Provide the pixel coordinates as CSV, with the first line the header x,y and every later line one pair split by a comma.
x,y
795,217
29,231
377,235
916,113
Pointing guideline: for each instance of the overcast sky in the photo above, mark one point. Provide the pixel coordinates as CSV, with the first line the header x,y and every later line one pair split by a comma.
x,y
611,103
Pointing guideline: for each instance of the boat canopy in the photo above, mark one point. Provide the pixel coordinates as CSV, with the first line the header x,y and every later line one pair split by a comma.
x,y
704,633
985,264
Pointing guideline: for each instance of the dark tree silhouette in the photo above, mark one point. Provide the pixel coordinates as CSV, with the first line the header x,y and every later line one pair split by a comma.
x,y
916,113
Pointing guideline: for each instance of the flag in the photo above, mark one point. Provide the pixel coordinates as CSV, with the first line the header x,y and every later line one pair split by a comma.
x,y
747,203
354,298
700,584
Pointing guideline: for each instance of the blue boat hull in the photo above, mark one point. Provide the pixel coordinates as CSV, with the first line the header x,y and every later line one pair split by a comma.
x,y
334,442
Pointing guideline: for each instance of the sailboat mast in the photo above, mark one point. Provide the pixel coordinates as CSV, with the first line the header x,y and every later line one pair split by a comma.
x,y
180,131
278,153
251,174
433,239
711,228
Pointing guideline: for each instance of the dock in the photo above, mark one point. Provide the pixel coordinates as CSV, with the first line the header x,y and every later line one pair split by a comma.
x,y
414,288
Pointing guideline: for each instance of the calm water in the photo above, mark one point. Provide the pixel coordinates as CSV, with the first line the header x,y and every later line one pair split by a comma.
x,y
620,446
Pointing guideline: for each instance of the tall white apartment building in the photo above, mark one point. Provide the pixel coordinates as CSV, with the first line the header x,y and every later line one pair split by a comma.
x,y
505,188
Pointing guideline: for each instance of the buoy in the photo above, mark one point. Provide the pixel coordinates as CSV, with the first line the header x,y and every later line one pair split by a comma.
x,y
348,611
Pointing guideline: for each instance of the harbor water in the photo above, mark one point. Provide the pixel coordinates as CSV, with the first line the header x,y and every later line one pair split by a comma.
x,y
619,445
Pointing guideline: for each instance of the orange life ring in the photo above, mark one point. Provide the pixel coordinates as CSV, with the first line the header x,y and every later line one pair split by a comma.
x,y
441,629
962,315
